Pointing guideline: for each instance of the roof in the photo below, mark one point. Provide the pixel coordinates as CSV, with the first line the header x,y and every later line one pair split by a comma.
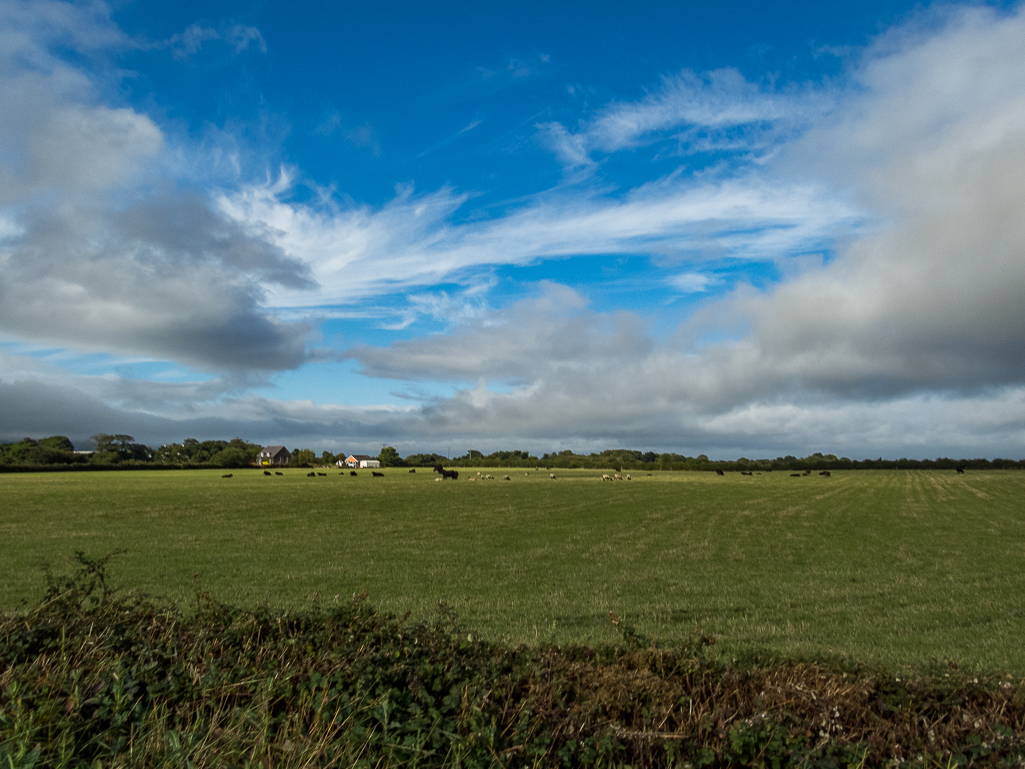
x,y
272,450
362,456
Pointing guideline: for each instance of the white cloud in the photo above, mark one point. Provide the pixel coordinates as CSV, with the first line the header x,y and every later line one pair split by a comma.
x,y
691,282
100,251
412,241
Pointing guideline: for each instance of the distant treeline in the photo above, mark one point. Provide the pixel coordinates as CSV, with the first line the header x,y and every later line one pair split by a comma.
x,y
123,453
629,459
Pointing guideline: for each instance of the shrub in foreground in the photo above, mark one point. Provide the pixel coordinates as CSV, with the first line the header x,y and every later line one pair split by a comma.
x,y
91,676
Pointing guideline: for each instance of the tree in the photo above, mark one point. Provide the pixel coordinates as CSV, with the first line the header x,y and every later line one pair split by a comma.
x,y
389,457
303,458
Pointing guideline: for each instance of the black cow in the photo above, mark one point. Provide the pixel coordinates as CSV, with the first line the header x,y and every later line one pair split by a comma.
x,y
266,472
311,474
376,474
960,469
719,472
453,474
352,472
413,470
277,473
226,476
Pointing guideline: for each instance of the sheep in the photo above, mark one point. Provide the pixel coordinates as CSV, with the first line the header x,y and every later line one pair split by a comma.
x,y
618,477
489,477
606,477
471,479
552,476
506,478
438,480
627,477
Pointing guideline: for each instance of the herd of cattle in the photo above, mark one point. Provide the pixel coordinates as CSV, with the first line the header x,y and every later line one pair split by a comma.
x,y
454,474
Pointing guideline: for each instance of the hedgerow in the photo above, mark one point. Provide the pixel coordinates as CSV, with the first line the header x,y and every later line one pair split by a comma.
x,y
99,677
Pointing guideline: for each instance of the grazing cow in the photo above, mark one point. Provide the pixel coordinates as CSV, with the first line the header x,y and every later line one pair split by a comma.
x,y
960,469
744,472
226,476
324,474
719,472
278,473
826,474
352,472
376,475
795,475
552,476
311,474
807,472
413,470
266,472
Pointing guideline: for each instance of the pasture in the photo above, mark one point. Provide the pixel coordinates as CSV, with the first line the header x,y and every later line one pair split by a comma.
x,y
888,567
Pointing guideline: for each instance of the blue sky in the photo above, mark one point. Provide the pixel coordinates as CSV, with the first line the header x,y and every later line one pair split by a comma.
x,y
740,229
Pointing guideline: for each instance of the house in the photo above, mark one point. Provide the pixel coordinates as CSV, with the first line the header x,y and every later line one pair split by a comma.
x,y
274,455
361,460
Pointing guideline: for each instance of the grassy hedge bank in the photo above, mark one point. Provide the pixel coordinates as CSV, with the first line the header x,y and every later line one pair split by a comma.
x,y
91,676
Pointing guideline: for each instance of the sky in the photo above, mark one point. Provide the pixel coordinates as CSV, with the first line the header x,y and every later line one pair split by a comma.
x,y
738,229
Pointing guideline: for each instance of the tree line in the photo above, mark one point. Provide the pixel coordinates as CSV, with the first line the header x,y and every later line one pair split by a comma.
x,y
122,451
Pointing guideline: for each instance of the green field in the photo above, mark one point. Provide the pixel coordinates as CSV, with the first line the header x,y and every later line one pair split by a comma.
x,y
891,567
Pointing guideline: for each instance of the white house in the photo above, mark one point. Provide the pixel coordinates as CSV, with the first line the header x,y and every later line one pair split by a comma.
x,y
361,460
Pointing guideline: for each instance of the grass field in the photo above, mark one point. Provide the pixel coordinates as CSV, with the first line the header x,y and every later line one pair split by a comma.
x,y
891,567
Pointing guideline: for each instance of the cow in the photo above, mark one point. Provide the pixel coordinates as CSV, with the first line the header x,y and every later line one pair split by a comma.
x,y
266,472
412,470
323,474
376,475
826,474
795,475
226,476
278,473
960,469
311,474
807,472
719,472
353,473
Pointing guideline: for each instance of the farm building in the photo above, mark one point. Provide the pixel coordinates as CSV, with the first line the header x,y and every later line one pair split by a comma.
x,y
274,455
361,460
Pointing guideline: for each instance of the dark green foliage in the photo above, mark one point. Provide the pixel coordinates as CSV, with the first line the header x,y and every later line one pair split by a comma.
x,y
95,677
57,449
